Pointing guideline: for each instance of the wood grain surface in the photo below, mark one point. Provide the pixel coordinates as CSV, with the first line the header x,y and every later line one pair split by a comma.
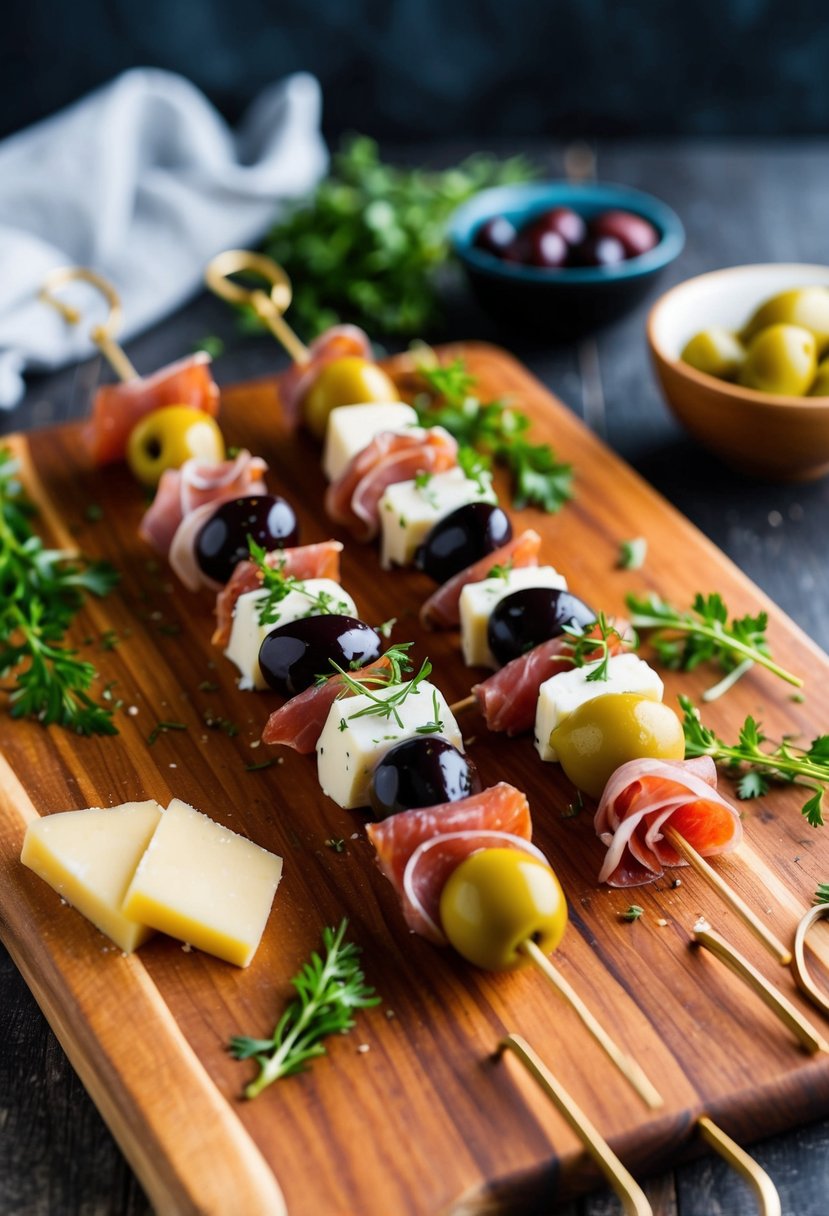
x,y
423,1121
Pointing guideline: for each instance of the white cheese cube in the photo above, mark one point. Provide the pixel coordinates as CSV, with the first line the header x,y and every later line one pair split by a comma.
x,y
479,599
565,692
410,509
204,884
247,634
351,428
350,747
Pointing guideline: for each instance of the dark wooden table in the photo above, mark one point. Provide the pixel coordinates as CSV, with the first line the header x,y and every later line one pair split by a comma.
x,y
739,203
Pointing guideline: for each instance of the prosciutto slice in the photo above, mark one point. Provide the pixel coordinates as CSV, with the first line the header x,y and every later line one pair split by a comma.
x,y
194,485
353,499
339,342
303,561
299,722
508,698
116,408
642,798
501,808
442,611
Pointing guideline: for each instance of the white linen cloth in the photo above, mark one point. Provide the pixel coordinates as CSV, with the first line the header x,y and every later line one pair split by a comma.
x,y
144,182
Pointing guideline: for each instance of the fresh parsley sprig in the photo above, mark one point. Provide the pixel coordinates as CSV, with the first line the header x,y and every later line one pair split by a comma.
x,y
330,988
757,764
41,592
496,430
594,643
384,706
683,640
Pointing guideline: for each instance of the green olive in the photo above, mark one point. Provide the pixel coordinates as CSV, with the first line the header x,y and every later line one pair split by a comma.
x,y
820,384
716,351
167,437
602,734
495,900
348,381
807,307
781,359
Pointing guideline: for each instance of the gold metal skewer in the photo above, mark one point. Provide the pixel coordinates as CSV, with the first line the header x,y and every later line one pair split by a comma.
x,y
102,335
626,1064
738,905
764,1189
800,1026
633,1199
268,306
801,972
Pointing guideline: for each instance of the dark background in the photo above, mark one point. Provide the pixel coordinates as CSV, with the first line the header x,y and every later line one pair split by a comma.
x,y
406,70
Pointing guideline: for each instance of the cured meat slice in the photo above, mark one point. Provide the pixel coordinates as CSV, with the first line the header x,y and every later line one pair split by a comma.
x,y
639,801
508,698
431,865
181,491
303,561
116,408
392,456
339,342
441,610
500,808
299,722
182,555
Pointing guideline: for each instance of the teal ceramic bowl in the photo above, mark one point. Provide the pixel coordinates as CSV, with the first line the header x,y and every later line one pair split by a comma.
x,y
572,301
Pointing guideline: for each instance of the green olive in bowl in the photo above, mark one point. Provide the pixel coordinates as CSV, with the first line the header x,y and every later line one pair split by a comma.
x,y
782,359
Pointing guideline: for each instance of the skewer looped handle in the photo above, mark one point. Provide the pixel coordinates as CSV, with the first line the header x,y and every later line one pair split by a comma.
x,y
102,335
633,1199
801,973
768,1200
800,1026
268,306
626,1064
697,862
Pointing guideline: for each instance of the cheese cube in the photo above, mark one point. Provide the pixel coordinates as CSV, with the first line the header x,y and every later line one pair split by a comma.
x,y
89,857
410,509
351,428
247,634
479,599
205,885
562,693
350,747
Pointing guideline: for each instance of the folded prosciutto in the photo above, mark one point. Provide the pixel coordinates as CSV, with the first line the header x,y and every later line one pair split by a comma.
x,y
339,342
299,722
353,499
116,408
441,610
418,850
642,798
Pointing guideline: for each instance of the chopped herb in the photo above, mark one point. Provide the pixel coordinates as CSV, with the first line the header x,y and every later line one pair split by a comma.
x,y
208,686
632,553
256,768
277,585
475,467
336,844
501,570
385,629
422,479
397,659
798,697
214,722
93,512
683,640
211,345
109,639
436,725
573,808
495,430
594,644
782,761
633,913
343,724
41,592
161,728
821,895
384,707
329,987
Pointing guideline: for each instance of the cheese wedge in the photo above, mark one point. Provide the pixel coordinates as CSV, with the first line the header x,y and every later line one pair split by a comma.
x,y
89,857
205,885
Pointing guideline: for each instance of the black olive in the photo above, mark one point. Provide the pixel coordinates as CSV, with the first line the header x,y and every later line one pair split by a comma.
x,y
293,655
461,538
419,772
528,617
223,541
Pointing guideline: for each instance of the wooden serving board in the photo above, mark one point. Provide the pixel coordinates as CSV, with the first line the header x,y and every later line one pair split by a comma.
x,y
424,1121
